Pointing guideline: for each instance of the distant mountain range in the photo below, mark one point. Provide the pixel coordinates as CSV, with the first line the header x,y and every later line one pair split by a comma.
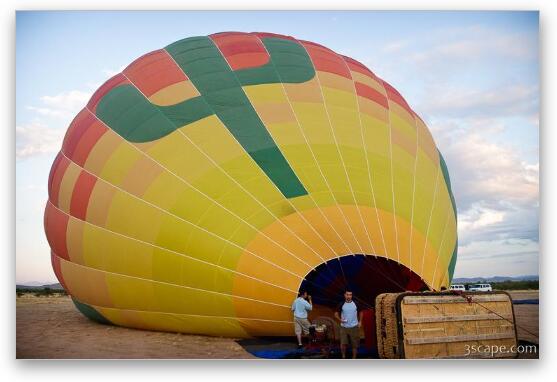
x,y
56,286
494,279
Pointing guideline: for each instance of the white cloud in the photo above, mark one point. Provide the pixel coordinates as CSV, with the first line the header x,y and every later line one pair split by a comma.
x,y
472,43
112,72
478,217
503,101
37,138
507,257
46,131
489,172
395,46
63,105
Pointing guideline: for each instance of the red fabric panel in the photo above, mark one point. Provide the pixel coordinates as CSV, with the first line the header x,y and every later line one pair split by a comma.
x,y
241,50
78,126
371,94
325,60
56,225
55,261
57,172
153,72
113,82
357,66
368,322
88,141
395,96
81,194
273,35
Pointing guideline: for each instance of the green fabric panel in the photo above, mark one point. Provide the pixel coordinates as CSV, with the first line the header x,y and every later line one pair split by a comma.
x,y
445,171
204,65
125,110
136,119
447,180
288,63
90,312
452,264
186,112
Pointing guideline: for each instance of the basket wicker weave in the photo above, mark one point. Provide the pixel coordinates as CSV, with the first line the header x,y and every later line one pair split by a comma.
x,y
443,325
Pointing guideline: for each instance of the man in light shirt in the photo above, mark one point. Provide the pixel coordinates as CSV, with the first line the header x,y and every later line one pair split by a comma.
x,y
301,307
347,315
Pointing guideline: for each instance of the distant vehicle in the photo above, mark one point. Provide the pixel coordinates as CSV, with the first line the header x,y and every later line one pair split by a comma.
x,y
459,287
480,288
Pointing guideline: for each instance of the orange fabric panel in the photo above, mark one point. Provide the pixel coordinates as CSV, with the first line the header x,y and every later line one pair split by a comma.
x,y
153,72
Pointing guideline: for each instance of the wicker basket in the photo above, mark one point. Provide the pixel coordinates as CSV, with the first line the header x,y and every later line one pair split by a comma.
x,y
445,325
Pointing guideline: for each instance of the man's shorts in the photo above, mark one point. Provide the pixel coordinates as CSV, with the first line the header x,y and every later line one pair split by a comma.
x,y
301,324
350,333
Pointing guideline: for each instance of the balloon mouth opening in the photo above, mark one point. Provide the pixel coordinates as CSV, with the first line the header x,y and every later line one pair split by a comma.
x,y
366,276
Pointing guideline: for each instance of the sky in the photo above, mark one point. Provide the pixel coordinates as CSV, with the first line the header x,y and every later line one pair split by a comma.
x,y
473,77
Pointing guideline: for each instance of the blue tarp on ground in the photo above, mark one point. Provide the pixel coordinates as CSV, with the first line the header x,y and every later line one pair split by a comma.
x,y
286,348
533,301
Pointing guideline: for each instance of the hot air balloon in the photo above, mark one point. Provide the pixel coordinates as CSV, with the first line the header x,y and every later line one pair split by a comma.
x,y
207,183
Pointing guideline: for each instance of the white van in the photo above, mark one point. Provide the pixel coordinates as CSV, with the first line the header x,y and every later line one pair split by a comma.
x,y
480,288
458,287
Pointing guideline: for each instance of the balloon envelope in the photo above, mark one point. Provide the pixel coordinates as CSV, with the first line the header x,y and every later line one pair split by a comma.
x,y
207,183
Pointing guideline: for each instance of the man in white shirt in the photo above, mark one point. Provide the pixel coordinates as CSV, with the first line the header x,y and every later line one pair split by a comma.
x,y
347,315
301,307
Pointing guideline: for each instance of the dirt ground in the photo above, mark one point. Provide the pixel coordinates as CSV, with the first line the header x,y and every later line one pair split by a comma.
x,y
51,327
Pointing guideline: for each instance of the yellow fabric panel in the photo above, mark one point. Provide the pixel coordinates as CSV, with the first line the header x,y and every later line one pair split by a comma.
x,y
87,285
262,328
115,253
133,217
102,150
189,204
140,176
175,93
426,141
446,250
298,257
296,149
342,107
131,293
180,156
67,186
219,144
327,241
74,240
425,180
118,166
402,119
119,254
334,81
162,297
165,190
376,223
306,92
175,323
372,109
356,222
247,286
438,216
183,237
273,274
255,310
99,203
403,141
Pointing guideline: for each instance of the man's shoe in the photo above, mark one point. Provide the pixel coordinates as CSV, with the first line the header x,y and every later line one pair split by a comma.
x,y
300,346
